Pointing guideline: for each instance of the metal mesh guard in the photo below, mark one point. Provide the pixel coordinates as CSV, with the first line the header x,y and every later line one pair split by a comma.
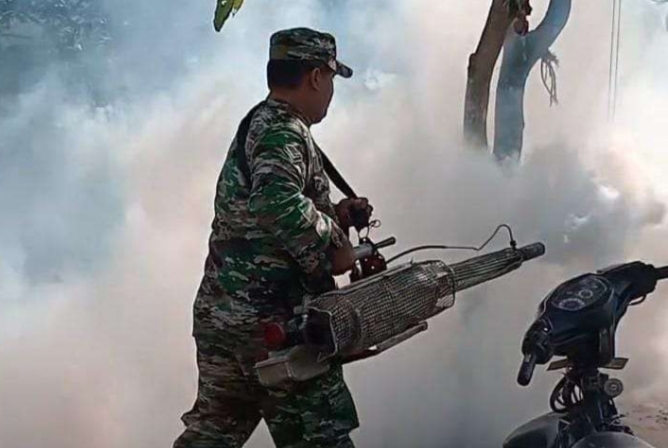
x,y
367,313
390,303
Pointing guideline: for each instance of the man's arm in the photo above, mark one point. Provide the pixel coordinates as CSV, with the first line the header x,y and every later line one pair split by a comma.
x,y
278,170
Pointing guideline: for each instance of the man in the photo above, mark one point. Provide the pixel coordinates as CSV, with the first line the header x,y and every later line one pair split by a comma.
x,y
275,231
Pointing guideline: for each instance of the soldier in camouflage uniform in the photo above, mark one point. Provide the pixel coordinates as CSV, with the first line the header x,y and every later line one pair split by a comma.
x,y
275,230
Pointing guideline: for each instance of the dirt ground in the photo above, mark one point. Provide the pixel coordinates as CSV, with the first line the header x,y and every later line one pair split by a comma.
x,y
650,422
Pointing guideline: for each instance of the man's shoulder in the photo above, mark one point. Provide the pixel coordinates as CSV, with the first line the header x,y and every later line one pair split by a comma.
x,y
270,122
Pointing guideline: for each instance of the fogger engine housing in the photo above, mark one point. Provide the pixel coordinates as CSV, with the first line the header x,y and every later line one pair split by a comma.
x,y
361,315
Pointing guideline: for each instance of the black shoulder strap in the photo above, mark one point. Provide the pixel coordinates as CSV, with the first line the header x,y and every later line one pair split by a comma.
x,y
242,160
336,177
240,148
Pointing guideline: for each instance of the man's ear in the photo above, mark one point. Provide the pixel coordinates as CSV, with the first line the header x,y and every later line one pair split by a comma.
x,y
315,78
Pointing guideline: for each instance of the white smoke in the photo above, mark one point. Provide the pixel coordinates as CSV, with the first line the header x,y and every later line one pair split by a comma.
x,y
105,214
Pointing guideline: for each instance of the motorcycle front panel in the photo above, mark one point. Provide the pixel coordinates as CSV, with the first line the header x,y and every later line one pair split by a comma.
x,y
540,432
611,440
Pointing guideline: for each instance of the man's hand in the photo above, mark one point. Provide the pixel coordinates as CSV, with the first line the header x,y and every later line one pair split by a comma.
x,y
342,258
354,213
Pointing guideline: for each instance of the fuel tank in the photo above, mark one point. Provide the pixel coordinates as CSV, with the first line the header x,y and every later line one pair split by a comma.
x,y
540,432
611,440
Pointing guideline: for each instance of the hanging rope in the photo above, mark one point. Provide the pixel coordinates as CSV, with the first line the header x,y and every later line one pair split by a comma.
x,y
615,38
548,75
613,76
619,33
612,47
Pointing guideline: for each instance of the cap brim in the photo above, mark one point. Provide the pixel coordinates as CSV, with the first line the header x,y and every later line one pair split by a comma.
x,y
343,70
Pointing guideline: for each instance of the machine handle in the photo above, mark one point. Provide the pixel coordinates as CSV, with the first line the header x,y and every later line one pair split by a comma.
x,y
387,242
366,250
363,251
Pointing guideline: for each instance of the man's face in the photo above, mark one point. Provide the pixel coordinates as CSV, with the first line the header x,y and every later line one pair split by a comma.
x,y
322,85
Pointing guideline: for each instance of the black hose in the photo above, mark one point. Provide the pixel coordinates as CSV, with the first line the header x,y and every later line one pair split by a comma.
x,y
513,244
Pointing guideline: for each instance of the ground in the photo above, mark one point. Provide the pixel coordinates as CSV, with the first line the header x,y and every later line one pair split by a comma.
x,y
650,421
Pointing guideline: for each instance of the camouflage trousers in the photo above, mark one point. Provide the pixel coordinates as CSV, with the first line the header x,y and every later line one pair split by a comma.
x,y
230,403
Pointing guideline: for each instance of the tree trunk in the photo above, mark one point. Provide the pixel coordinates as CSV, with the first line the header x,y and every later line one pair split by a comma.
x,y
520,54
480,69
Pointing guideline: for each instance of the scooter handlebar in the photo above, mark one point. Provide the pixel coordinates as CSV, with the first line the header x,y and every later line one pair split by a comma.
x,y
526,369
662,273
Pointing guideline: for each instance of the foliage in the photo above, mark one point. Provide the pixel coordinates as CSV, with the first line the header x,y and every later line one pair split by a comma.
x,y
225,8
69,25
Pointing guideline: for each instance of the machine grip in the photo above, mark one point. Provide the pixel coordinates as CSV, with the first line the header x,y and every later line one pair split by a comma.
x,y
367,249
391,241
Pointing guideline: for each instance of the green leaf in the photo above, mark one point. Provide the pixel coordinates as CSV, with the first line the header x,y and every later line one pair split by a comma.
x,y
223,10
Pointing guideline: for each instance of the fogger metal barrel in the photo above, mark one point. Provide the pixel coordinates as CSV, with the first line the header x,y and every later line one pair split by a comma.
x,y
364,314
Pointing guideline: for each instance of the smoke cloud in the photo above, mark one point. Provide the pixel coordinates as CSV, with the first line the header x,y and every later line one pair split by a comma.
x,y
105,209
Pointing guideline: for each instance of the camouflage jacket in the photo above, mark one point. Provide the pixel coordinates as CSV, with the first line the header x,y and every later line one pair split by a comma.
x,y
267,235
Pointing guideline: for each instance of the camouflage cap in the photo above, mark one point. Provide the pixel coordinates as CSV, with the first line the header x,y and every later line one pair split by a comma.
x,y
305,44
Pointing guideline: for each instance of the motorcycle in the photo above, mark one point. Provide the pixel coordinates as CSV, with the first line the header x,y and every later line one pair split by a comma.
x,y
578,322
